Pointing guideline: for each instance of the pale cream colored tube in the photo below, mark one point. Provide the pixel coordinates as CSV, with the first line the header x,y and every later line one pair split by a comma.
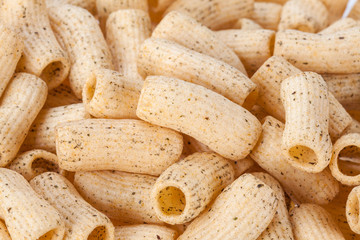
x,y
328,53
246,24
280,226
126,30
144,232
32,163
20,104
79,33
304,15
42,54
27,216
199,113
355,11
89,5
109,144
242,211
4,234
123,197
82,221
282,2
253,47
302,186
42,133
186,31
167,58
60,96
267,14
214,14
185,189
352,209
108,94
340,25
306,140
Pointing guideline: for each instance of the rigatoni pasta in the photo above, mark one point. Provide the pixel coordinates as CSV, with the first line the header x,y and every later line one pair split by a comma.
x,y
267,14
89,5
145,232
352,209
246,24
340,25
60,96
4,234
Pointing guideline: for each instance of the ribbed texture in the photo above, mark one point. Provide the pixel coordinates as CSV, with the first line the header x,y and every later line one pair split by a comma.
x,y
81,219
304,15
167,58
20,104
318,188
253,47
42,133
214,14
242,211
145,232
186,31
60,96
79,33
246,24
109,94
89,5
328,53
27,216
125,145
42,54
340,25
312,222
4,234
200,177
352,209
225,127
280,226
267,14
343,176
354,127
123,197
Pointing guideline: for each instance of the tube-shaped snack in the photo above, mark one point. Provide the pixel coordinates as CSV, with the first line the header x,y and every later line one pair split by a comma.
x,y
352,209
306,141
246,24
60,96
280,226
302,186
10,53
345,159
253,47
4,234
269,78
345,88
355,11
42,133
27,216
89,5
214,14
186,31
20,104
167,58
199,113
79,33
82,221
145,232
109,94
32,163
354,127
328,53
42,55
335,8
267,14
242,211
304,15
123,197
312,222
126,30
282,2
340,25
109,144
184,190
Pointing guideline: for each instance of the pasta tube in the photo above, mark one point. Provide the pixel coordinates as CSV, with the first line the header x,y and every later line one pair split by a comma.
x,y
312,222
340,25
20,103
345,159
304,15
125,145
246,24
214,14
42,133
167,58
89,5
60,96
79,33
336,8
144,231
253,47
27,216
4,234
242,211
302,186
42,55
108,94
126,30
352,209
184,190
123,197
328,53
306,141
267,14
186,31
199,113
355,11
354,127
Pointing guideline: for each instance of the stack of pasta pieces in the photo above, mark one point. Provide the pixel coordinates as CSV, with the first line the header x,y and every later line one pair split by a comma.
x,y
179,119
